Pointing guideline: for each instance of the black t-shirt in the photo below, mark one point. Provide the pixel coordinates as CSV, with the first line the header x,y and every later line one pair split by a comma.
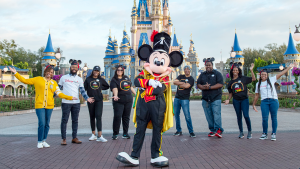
x,y
94,87
238,87
184,94
123,85
214,77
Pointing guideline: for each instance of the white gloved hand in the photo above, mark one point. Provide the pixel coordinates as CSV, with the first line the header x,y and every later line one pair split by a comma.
x,y
153,83
158,84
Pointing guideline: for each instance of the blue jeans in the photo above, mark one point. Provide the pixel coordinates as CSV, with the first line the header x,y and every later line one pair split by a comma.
x,y
66,109
241,108
269,105
185,104
43,116
212,112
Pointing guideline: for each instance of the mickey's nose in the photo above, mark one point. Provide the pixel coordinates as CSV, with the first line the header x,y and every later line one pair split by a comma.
x,y
157,63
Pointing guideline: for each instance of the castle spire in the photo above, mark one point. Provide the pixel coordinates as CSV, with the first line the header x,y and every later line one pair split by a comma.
x,y
175,41
49,47
291,49
143,3
236,46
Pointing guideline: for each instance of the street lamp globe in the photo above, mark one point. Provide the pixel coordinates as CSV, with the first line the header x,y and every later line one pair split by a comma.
x,y
85,67
296,34
5,69
232,54
281,67
57,55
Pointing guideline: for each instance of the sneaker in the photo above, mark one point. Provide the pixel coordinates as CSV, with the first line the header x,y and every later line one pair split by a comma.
x,y
273,137
264,136
114,137
219,133
177,133
249,136
40,145
101,139
192,135
126,136
127,159
46,145
93,137
211,134
241,135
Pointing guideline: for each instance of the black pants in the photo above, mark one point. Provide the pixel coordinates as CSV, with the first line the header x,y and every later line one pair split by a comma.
x,y
95,110
66,109
154,111
122,111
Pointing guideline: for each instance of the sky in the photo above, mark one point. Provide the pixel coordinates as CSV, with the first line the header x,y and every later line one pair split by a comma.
x,y
81,28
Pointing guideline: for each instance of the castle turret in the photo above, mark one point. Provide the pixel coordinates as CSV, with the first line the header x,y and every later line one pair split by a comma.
x,y
238,57
124,56
193,59
49,55
109,57
156,17
165,11
290,56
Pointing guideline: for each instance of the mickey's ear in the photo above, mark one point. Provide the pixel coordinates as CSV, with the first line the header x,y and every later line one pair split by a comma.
x,y
212,59
144,52
71,60
204,60
176,58
240,64
231,63
79,61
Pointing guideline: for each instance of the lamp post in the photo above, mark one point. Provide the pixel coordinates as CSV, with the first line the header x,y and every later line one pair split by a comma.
x,y
286,79
85,70
58,57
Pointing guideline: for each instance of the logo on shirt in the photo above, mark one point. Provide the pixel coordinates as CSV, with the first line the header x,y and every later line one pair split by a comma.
x,y
70,81
95,85
182,80
237,87
125,85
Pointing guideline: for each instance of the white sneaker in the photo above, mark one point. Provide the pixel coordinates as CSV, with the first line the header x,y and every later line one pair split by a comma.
x,y
93,137
101,139
46,145
273,137
126,159
160,161
40,145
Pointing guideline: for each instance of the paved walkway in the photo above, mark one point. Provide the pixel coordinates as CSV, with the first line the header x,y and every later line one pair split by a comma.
x,y
18,143
27,123
183,152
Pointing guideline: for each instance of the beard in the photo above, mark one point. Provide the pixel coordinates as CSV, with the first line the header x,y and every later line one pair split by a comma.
x,y
73,72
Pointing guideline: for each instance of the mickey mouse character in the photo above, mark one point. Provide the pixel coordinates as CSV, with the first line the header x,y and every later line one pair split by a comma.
x,y
153,107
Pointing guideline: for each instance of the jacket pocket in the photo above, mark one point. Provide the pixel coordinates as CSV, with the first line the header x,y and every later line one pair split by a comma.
x,y
38,99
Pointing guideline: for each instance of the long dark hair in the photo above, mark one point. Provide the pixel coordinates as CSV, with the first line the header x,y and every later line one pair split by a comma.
x,y
268,81
116,75
231,72
91,76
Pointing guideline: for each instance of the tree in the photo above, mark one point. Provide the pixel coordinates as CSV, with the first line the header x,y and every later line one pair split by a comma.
x,y
22,65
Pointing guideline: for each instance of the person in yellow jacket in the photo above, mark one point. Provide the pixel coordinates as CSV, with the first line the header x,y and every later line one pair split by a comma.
x,y
45,87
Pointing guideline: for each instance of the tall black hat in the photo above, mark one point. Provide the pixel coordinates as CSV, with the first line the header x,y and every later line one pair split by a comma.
x,y
161,41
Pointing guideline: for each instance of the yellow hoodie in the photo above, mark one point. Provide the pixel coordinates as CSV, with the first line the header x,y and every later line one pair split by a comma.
x,y
44,91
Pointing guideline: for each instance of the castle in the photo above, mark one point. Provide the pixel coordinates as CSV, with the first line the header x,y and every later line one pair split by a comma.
x,y
149,15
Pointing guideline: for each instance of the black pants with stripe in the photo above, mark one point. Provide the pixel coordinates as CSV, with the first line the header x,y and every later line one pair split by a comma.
x,y
154,111
95,110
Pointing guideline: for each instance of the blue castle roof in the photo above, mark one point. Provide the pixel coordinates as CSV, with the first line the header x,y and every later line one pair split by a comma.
x,y
291,49
143,2
17,69
110,56
49,47
175,41
144,36
132,60
125,40
271,67
110,46
236,46
239,56
115,42
115,61
144,22
134,11
181,50
48,57
165,2
170,21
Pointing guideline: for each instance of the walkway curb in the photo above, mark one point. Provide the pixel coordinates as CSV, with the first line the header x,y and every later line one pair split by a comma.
x,y
28,111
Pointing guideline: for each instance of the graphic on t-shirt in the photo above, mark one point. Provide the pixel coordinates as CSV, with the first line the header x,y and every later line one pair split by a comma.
x,y
95,84
237,87
125,85
182,80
